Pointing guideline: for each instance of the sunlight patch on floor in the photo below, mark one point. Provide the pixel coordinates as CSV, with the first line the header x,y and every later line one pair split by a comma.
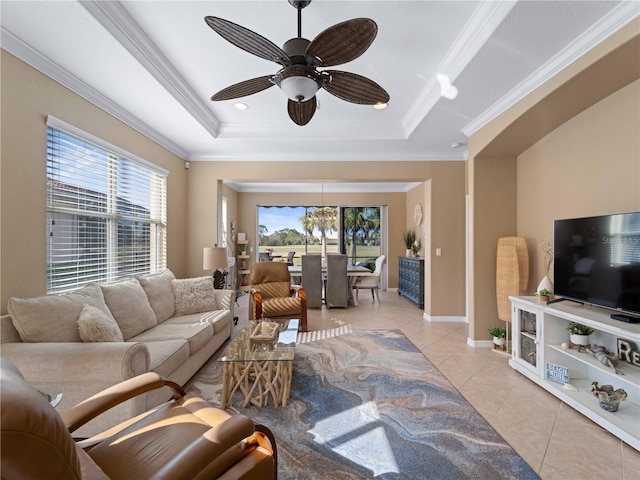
x,y
354,435
312,336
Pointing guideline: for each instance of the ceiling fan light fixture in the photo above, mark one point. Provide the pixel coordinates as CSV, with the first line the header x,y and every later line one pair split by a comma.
x,y
298,83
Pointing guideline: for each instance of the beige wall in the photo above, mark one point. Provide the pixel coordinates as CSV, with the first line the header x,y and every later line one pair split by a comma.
x,y
28,97
588,166
448,202
514,149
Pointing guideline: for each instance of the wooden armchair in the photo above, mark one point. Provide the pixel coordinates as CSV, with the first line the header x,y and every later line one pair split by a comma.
x,y
272,295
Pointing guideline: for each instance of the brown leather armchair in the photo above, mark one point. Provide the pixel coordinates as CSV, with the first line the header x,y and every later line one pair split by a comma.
x,y
185,438
272,295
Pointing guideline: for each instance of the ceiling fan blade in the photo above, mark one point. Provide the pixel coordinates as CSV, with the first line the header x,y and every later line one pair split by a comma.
x,y
248,40
343,42
354,88
242,89
302,112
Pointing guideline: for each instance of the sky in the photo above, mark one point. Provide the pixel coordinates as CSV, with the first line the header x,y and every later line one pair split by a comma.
x,y
275,218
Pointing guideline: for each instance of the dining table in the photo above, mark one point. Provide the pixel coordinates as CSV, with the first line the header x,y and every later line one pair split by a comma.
x,y
353,272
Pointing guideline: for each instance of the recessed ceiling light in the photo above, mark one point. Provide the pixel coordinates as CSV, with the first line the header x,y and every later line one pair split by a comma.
x,y
240,106
458,145
380,106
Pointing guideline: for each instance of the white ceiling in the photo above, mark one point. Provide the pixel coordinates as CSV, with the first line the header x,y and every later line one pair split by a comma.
x,y
155,65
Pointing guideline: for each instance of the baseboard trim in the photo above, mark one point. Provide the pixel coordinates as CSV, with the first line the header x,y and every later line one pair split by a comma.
x,y
438,319
479,343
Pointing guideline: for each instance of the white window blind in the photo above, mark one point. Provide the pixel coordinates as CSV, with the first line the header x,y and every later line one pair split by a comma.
x,y
106,211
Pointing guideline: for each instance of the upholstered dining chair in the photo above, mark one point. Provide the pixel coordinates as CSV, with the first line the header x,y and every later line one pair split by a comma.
x,y
273,296
371,282
312,279
185,438
336,290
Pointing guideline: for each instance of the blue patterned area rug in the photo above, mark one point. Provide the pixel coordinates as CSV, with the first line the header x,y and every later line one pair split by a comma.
x,y
368,404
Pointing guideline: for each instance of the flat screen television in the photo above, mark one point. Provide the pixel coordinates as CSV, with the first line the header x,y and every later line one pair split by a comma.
x,y
597,261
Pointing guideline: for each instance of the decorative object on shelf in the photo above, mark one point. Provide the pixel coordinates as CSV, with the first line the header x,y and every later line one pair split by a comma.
x,y
408,237
557,373
579,335
416,247
609,398
628,353
242,236
417,214
544,295
605,357
498,334
546,283
215,258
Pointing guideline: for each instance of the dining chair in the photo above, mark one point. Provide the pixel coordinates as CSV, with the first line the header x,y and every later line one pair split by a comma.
x,y
312,279
290,256
371,282
336,287
264,257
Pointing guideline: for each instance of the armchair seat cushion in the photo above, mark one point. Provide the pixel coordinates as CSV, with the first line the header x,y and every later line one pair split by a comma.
x,y
281,306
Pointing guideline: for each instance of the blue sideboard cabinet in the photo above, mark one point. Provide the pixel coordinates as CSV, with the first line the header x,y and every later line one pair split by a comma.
x,y
411,279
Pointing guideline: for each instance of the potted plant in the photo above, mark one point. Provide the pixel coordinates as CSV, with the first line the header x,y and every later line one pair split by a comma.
x,y
579,334
408,238
544,295
499,334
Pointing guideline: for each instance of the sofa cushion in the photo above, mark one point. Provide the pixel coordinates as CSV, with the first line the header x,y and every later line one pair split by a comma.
x,y
129,305
96,326
196,334
194,295
166,356
54,318
218,318
159,291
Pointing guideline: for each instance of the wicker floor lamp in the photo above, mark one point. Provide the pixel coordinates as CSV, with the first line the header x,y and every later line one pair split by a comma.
x,y
512,274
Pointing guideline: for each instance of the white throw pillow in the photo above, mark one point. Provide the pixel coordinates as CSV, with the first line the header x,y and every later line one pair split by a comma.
x,y
96,326
194,295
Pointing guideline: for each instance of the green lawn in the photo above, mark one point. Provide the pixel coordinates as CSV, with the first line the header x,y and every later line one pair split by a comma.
x,y
366,253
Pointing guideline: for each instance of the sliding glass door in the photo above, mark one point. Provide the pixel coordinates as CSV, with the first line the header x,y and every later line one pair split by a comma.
x,y
361,234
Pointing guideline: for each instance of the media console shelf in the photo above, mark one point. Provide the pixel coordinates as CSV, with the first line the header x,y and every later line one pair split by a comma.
x,y
539,332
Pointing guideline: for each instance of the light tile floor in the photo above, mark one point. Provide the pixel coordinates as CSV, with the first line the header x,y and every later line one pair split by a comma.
x,y
554,439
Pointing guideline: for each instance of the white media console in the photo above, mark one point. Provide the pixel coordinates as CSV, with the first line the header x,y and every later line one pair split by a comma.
x,y
539,332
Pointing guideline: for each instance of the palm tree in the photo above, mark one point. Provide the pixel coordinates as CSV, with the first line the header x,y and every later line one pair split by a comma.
x,y
353,223
324,219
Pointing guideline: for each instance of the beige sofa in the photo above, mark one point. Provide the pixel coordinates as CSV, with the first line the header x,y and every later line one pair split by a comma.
x,y
87,340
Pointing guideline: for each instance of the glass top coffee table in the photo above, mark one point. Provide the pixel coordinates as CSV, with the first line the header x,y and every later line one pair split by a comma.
x,y
259,363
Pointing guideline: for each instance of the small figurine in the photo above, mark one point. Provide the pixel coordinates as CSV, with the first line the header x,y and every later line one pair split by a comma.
x,y
605,357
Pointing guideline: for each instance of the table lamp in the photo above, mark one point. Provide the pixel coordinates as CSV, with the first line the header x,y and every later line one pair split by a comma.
x,y
215,258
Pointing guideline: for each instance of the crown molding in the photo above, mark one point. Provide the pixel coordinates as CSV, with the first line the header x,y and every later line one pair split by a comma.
x,y
322,131
484,21
117,21
617,18
43,64
297,156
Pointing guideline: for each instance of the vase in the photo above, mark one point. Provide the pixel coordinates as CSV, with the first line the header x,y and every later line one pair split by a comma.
x,y
499,341
545,284
579,339
407,253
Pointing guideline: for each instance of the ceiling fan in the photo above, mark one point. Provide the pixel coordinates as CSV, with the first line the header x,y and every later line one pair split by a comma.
x,y
300,58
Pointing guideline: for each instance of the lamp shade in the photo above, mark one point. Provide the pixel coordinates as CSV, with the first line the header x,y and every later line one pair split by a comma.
x,y
214,258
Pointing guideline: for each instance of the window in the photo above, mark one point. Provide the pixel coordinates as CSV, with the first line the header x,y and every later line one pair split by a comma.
x,y
106,211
